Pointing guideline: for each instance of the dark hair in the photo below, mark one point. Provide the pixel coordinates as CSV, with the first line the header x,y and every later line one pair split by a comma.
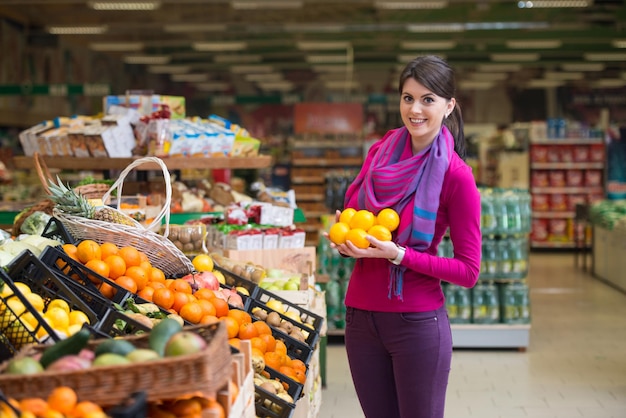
x,y
437,76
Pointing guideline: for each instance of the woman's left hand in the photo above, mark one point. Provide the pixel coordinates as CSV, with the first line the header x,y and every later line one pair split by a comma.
x,y
377,249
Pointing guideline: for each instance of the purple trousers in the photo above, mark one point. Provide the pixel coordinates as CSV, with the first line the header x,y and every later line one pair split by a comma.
x,y
399,362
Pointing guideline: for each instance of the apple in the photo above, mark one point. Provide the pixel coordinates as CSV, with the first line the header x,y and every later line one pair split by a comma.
x,y
292,285
184,342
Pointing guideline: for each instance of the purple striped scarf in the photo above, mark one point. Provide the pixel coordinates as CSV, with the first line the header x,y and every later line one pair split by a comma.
x,y
411,183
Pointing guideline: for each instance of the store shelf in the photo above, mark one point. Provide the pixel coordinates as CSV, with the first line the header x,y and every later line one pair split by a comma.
x,y
327,162
554,214
566,141
568,166
552,244
568,190
491,336
105,163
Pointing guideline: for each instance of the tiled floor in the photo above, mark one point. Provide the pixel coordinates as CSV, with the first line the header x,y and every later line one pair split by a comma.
x,y
575,366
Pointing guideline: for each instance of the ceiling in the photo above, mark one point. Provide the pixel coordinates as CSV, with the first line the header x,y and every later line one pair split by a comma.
x,y
276,45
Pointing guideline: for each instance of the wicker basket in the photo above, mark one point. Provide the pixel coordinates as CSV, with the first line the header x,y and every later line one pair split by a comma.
x,y
160,250
207,372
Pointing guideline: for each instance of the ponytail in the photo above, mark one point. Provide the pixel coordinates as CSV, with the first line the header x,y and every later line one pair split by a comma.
x,y
454,123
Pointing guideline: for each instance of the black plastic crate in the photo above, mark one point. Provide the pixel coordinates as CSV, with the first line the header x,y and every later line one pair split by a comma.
x,y
293,387
295,349
55,230
267,405
233,281
136,406
63,264
117,324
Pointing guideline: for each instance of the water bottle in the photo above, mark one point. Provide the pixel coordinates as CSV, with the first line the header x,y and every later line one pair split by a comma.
x,y
489,259
451,303
505,264
510,311
490,296
500,210
464,305
488,223
519,257
526,211
479,308
513,212
523,303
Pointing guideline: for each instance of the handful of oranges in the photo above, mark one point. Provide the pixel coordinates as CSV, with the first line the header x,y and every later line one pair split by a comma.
x,y
354,225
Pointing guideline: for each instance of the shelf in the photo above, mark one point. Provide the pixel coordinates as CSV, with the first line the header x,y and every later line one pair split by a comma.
x,y
308,180
310,197
327,162
552,244
567,141
105,163
567,166
568,190
554,215
335,143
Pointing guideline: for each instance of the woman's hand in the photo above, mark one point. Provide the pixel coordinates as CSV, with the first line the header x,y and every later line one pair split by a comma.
x,y
377,249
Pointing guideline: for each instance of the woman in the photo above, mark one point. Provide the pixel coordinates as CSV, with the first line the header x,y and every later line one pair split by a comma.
x,y
397,335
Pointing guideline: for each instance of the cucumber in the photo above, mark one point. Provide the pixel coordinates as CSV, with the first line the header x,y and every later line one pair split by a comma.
x,y
161,333
115,346
71,345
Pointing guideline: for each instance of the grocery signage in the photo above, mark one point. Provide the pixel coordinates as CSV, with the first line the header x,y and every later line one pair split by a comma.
x,y
59,90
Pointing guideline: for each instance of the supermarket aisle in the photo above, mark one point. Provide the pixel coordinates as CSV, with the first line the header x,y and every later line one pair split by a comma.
x,y
575,366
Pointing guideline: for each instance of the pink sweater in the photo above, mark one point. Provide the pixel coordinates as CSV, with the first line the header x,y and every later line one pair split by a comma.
x,y
459,209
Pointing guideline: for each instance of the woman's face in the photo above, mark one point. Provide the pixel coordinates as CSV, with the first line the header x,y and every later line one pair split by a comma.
x,y
422,112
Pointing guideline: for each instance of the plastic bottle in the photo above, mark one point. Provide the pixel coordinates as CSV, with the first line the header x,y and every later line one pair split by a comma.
x,y
464,304
488,222
523,303
505,264
489,259
490,296
500,211
451,302
510,312
479,308
513,212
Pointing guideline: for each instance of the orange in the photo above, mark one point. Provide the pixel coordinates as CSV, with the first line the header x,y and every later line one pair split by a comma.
x,y
232,326
270,341
107,249
156,285
209,319
288,371
143,256
204,293
180,299
247,331
262,327
99,267
62,399
88,250
107,290
163,297
357,237
117,266
147,266
242,317
388,218
146,293
258,343
346,215
185,407
192,312
300,375
130,255
380,232
203,262
207,307
298,364
36,406
363,219
235,342
221,307
157,275
337,233
139,275
273,359
127,283
85,407
71,250
281,348
180,285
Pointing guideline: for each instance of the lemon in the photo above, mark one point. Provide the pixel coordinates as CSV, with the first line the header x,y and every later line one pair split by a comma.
x,y
16,306
29,318
78,318
275,305
37,301
6,290
203,262
23,288
59,303
59,319
73,329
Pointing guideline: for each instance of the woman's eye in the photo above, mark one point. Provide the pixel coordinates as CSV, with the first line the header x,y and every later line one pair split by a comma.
x,y
428,99
408,99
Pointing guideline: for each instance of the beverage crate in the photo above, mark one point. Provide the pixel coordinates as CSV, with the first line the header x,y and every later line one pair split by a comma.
x,y
311,323
268,405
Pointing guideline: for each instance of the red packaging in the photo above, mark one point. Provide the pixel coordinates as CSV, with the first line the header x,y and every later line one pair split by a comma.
x,y
539,229
557,178
540,202
593,178
596,153
558,230
540,179
558,202
574,178
575,199
581,154
554,155
539,154
567,154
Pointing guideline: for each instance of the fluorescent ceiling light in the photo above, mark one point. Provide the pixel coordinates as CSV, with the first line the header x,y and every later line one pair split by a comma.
x,y
326,59
190,78
147,59
116,46
535,44
169,69
267,4
125,5
428,45
237,59
543,83
243,69
505,25
475,84
340,85
213,86
403,5
609,83
558,75
489,76
617,56
436,27
264,77
329,68
209,27
499,67
406,58
619,43
552,4
276,85
219,46
515,57
582,66
323,46
314,27
77,30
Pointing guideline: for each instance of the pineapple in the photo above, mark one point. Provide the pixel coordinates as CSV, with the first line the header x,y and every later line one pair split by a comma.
x,y
72,203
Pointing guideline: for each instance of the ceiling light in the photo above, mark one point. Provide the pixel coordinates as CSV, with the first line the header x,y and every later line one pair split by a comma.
x,y
400,5
190,78
515,57
489,76
617,56
499,67
116,46
169,69
341,85
326,59
436,27
609,83
276,85
323,46
428,45
582,66
505,25
219,46
213,86
267,4
77,30
543,83
147,59
552,4
405,58
125,5
314,27
243,69
237,59
558,75
264,77
475,85
209,27
535,44
329,68
619,43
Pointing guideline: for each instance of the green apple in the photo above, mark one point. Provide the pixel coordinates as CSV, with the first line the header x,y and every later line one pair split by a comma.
x,y
292,285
